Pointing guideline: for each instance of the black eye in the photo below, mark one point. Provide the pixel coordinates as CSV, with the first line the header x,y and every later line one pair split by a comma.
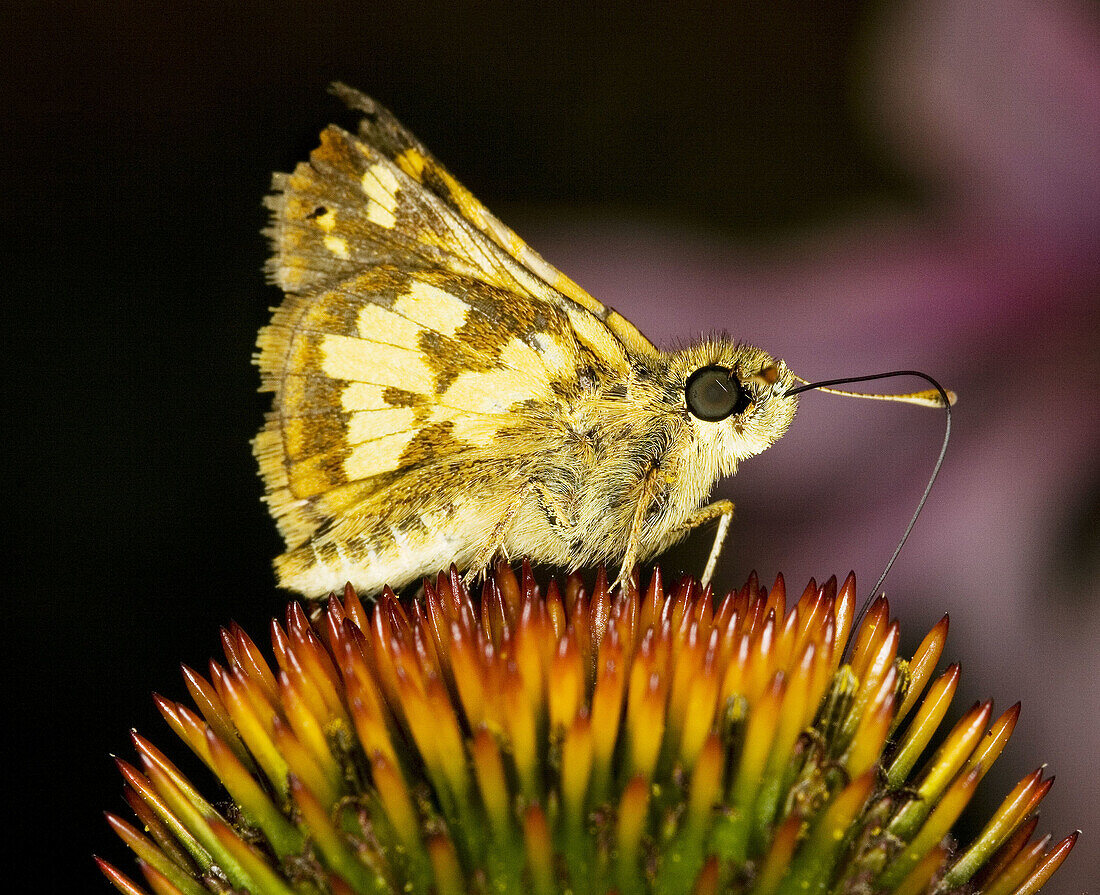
x,y
713,393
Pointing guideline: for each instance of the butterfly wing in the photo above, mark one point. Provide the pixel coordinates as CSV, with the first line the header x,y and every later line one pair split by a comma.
x,y
414,327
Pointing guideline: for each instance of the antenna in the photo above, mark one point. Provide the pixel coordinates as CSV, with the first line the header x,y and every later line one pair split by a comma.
x,y
937,396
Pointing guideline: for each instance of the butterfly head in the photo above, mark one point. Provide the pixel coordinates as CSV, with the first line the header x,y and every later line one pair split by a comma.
x,y
734,398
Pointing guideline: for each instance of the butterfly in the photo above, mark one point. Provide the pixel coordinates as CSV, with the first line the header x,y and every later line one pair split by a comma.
x,y
444,395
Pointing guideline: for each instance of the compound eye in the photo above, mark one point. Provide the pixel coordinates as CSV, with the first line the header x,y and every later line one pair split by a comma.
x,y
713,393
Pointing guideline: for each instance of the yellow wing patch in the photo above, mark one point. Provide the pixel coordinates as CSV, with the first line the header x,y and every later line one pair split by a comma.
x,y
368,425
362,396
380,186
338,246
495,391
379,455
368,360
432,308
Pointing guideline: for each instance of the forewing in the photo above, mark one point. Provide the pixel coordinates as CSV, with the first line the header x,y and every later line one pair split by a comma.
x,y
379,128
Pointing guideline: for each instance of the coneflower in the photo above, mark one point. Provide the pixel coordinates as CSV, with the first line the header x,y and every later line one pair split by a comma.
x,y
581,740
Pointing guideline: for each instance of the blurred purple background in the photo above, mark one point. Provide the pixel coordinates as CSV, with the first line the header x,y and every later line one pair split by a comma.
x,y
994,288
855,187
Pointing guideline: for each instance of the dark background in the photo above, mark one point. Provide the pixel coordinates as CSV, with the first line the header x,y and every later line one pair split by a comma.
x,y
855,187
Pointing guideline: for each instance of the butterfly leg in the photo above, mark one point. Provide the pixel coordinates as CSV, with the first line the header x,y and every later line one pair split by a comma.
x,y
722,510
651,487
495,545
